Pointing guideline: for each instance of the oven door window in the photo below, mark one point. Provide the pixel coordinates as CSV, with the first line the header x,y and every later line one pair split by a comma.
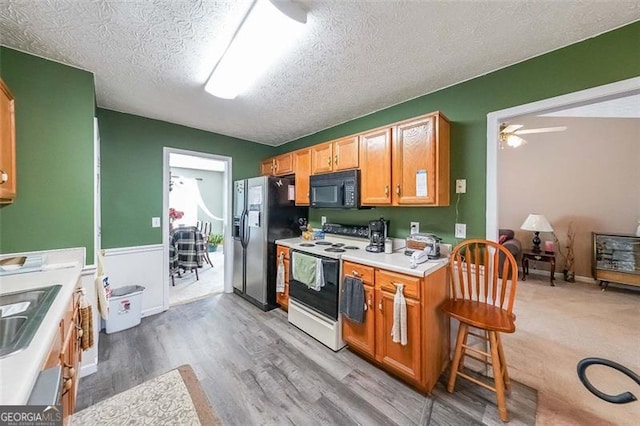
x,y
325,194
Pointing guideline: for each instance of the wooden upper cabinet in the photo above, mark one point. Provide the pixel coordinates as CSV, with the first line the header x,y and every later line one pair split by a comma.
x,y
266,167
345,153
302,170
322,158
341,154
277,166
375,169
283,164
421,161
7,146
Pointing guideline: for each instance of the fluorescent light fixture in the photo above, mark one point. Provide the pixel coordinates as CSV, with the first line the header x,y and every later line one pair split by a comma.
x,y
268,30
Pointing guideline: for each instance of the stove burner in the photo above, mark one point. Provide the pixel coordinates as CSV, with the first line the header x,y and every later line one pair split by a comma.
x,y
306,245
335,250
337,245
323,243
351,247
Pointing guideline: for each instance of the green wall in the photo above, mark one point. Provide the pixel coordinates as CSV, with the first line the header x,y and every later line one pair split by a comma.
x,y
604,59
131,149
54,149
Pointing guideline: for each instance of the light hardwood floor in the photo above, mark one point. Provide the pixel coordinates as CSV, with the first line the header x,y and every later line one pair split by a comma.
x,y
256,368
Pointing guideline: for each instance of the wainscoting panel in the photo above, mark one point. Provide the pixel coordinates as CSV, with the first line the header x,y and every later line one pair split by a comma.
x,y
141,265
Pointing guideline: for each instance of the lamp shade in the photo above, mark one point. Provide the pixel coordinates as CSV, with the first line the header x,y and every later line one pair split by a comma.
x,y
536,223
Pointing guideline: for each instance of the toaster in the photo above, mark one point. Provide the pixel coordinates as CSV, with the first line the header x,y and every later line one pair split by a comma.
x,y
426,242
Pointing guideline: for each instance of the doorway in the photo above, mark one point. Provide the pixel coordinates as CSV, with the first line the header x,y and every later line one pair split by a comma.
x,y
196,200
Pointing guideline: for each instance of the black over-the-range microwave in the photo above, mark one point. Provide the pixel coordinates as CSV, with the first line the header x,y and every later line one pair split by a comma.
x,y
339,190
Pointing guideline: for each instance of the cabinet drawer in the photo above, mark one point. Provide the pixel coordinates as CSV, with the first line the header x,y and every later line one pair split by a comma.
x,y
282,249
365,273
387,280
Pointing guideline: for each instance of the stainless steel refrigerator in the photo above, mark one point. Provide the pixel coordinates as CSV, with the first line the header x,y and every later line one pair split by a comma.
x,y
263,211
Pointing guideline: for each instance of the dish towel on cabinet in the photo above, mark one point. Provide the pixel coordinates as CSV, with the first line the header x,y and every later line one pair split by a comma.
x,y
352,304
280,274
399,329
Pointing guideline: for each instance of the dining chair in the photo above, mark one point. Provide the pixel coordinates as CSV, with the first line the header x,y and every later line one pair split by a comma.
x,y
481,299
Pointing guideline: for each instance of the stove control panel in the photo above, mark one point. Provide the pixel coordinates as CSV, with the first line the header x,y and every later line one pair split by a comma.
x,y
360,231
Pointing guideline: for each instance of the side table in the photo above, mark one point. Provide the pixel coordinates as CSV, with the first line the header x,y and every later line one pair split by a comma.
x,y
541,257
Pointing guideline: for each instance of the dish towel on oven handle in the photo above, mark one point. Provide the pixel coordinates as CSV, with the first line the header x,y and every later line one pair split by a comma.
x,y
399,329
280,274
308,270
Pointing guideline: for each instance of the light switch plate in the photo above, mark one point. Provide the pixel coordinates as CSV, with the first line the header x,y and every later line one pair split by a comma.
x,y
461,230
155,222
323,220
461,186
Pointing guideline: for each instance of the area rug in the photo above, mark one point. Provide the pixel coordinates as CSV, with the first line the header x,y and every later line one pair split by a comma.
x,y
174,398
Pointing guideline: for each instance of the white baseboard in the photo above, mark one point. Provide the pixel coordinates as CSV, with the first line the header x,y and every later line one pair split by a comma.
x,y
88,369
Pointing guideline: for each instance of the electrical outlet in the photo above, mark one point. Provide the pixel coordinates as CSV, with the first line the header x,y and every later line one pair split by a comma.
x,y
461,230
461,186
155,222
415,228
323,220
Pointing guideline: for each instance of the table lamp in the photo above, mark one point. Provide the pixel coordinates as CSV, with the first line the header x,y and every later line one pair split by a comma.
x,y
536,223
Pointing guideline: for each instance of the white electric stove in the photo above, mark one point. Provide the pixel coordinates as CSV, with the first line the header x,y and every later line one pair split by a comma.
x,y
316,311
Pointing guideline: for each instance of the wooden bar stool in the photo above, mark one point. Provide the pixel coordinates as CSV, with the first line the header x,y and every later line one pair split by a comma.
x,y
482,297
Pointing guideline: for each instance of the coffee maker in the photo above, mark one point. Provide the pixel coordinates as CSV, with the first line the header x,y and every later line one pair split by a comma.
x,y
377,234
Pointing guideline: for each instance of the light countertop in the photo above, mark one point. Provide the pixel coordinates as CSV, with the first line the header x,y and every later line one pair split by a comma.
x,y
18,372
396,261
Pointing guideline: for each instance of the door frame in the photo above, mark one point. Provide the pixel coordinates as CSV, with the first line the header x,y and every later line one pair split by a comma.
x,y
226,214
583,97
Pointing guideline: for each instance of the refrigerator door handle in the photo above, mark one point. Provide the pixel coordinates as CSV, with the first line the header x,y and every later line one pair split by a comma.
x,y
245,229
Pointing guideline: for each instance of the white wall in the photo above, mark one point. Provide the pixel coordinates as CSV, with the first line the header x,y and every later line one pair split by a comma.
x,y
211,188
588,175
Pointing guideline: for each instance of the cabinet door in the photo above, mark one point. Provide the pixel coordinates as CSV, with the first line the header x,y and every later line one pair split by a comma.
x,y
283,164
403,360
375,169
266,167
345,153
362,336
414,162
7,146
321,158
283,298
302,170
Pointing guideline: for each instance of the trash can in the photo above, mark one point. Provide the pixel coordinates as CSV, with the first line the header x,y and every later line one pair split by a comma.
x,y
125,308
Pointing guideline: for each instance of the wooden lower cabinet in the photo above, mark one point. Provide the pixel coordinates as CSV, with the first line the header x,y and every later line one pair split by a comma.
x,y
283,297
402,360
425,356
65,351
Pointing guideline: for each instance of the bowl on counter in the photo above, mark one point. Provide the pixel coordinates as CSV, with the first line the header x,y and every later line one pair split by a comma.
x,y
12,263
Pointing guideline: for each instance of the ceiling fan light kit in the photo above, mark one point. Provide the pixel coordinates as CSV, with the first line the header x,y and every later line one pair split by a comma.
x,y
268,30
509,134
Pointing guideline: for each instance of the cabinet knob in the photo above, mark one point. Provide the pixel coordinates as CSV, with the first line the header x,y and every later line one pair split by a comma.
x,y
355,273
386,190
335,160
398,189
380,305
3,177
329,161
369,302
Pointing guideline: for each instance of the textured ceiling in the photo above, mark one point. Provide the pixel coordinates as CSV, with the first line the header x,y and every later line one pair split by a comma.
x,y
152,58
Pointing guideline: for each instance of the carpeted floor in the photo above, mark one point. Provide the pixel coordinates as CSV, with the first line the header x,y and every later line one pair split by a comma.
x,y
188,289
558,326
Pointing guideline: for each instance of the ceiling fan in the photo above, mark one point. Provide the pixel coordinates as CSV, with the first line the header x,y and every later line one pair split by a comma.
x,y
510,134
